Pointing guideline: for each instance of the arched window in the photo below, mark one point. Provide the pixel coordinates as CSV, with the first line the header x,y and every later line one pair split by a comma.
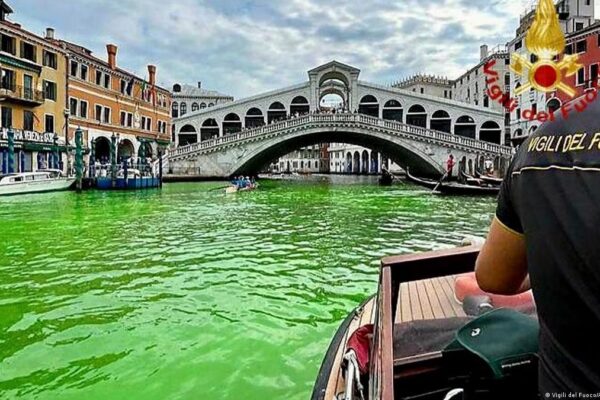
x,y
254,118
369,106
440,121
490,132
202,105
211,104
183,109
417,116
209,130
553,104
276,112
299,106
465,126
231,124
175,112
392,110
195,107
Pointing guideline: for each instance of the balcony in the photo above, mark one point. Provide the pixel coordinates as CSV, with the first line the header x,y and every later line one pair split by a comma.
x,y
563,10
20,94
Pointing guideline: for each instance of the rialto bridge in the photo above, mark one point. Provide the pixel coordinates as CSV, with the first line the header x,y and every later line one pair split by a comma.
x,y
412,129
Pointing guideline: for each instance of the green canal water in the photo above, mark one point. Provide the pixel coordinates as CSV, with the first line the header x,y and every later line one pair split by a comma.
x,y
187,293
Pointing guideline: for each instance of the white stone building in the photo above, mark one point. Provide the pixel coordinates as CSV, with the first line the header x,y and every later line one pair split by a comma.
x,y
427,84
188,98
471,87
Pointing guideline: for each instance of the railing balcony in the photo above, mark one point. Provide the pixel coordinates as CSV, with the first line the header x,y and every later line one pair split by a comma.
x,y
21,94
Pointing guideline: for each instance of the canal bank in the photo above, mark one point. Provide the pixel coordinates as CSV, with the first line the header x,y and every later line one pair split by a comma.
x,y
187,293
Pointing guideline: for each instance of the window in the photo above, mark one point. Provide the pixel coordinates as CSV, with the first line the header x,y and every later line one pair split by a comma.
x,y
148,124
581,46
50,59
129,120
27,120
486,101
123,118
123,86
73,107
569,49
183,109
533,58
594,75
106,115
581,76
7,80
175,112
518,45
534,108
83,109
74,68
6,117
83,72
98,78
98,113
50,90
107,81
578,26
518,113
28,51
49,123
195,107
8,45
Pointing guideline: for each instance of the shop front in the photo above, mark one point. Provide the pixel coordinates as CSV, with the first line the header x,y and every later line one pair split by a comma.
x,y
27,151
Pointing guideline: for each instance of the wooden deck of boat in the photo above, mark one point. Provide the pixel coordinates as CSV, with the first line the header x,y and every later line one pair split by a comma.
x,y
421,300
428,299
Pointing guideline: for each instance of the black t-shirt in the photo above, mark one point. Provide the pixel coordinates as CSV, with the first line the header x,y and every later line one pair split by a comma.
x,y
551,195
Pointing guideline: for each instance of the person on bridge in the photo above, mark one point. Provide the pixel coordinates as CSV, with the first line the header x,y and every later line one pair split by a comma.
x,y
545,235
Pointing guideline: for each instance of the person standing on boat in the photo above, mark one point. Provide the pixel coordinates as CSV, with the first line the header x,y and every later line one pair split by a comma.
x,y
546,232
450,166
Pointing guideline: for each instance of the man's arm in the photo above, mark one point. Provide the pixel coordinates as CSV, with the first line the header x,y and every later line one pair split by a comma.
x,y
502,264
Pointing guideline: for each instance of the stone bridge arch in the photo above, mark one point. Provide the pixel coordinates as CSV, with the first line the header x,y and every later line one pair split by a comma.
x,y
403,152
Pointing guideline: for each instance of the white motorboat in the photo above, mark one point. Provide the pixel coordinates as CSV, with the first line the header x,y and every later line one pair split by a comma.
x,y
48,180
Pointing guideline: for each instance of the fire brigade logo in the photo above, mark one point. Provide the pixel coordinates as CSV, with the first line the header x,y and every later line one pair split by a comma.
x,y
546,40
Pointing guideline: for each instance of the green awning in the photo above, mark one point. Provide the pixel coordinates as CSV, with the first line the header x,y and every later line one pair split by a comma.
x,y
15,62
163,142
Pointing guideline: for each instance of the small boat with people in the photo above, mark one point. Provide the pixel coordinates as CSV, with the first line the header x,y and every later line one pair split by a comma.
x,y
46,180
453,188
415,340
242,184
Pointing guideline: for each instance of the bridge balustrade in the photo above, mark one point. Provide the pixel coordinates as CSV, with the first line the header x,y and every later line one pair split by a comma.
x,y
393,127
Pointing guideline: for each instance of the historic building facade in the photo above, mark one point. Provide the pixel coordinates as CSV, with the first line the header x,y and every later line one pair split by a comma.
x,y
112,104
586,44
472,87
574,16
427,84
32,99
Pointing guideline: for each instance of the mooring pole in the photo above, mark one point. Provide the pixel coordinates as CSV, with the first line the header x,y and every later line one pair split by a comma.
x,y
79,158
11,151
160,168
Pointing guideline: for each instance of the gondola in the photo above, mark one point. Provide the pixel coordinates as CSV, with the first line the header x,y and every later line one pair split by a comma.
x,y
413,340
489,179
453,188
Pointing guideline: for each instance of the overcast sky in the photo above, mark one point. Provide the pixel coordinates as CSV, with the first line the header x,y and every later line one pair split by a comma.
x,y
244,47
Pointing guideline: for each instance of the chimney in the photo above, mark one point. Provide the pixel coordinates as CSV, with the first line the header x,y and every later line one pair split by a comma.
x,y
152,74
50,33
484,51
199,84
111,49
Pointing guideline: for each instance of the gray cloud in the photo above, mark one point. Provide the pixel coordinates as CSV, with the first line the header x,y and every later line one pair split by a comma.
x,y
243,47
